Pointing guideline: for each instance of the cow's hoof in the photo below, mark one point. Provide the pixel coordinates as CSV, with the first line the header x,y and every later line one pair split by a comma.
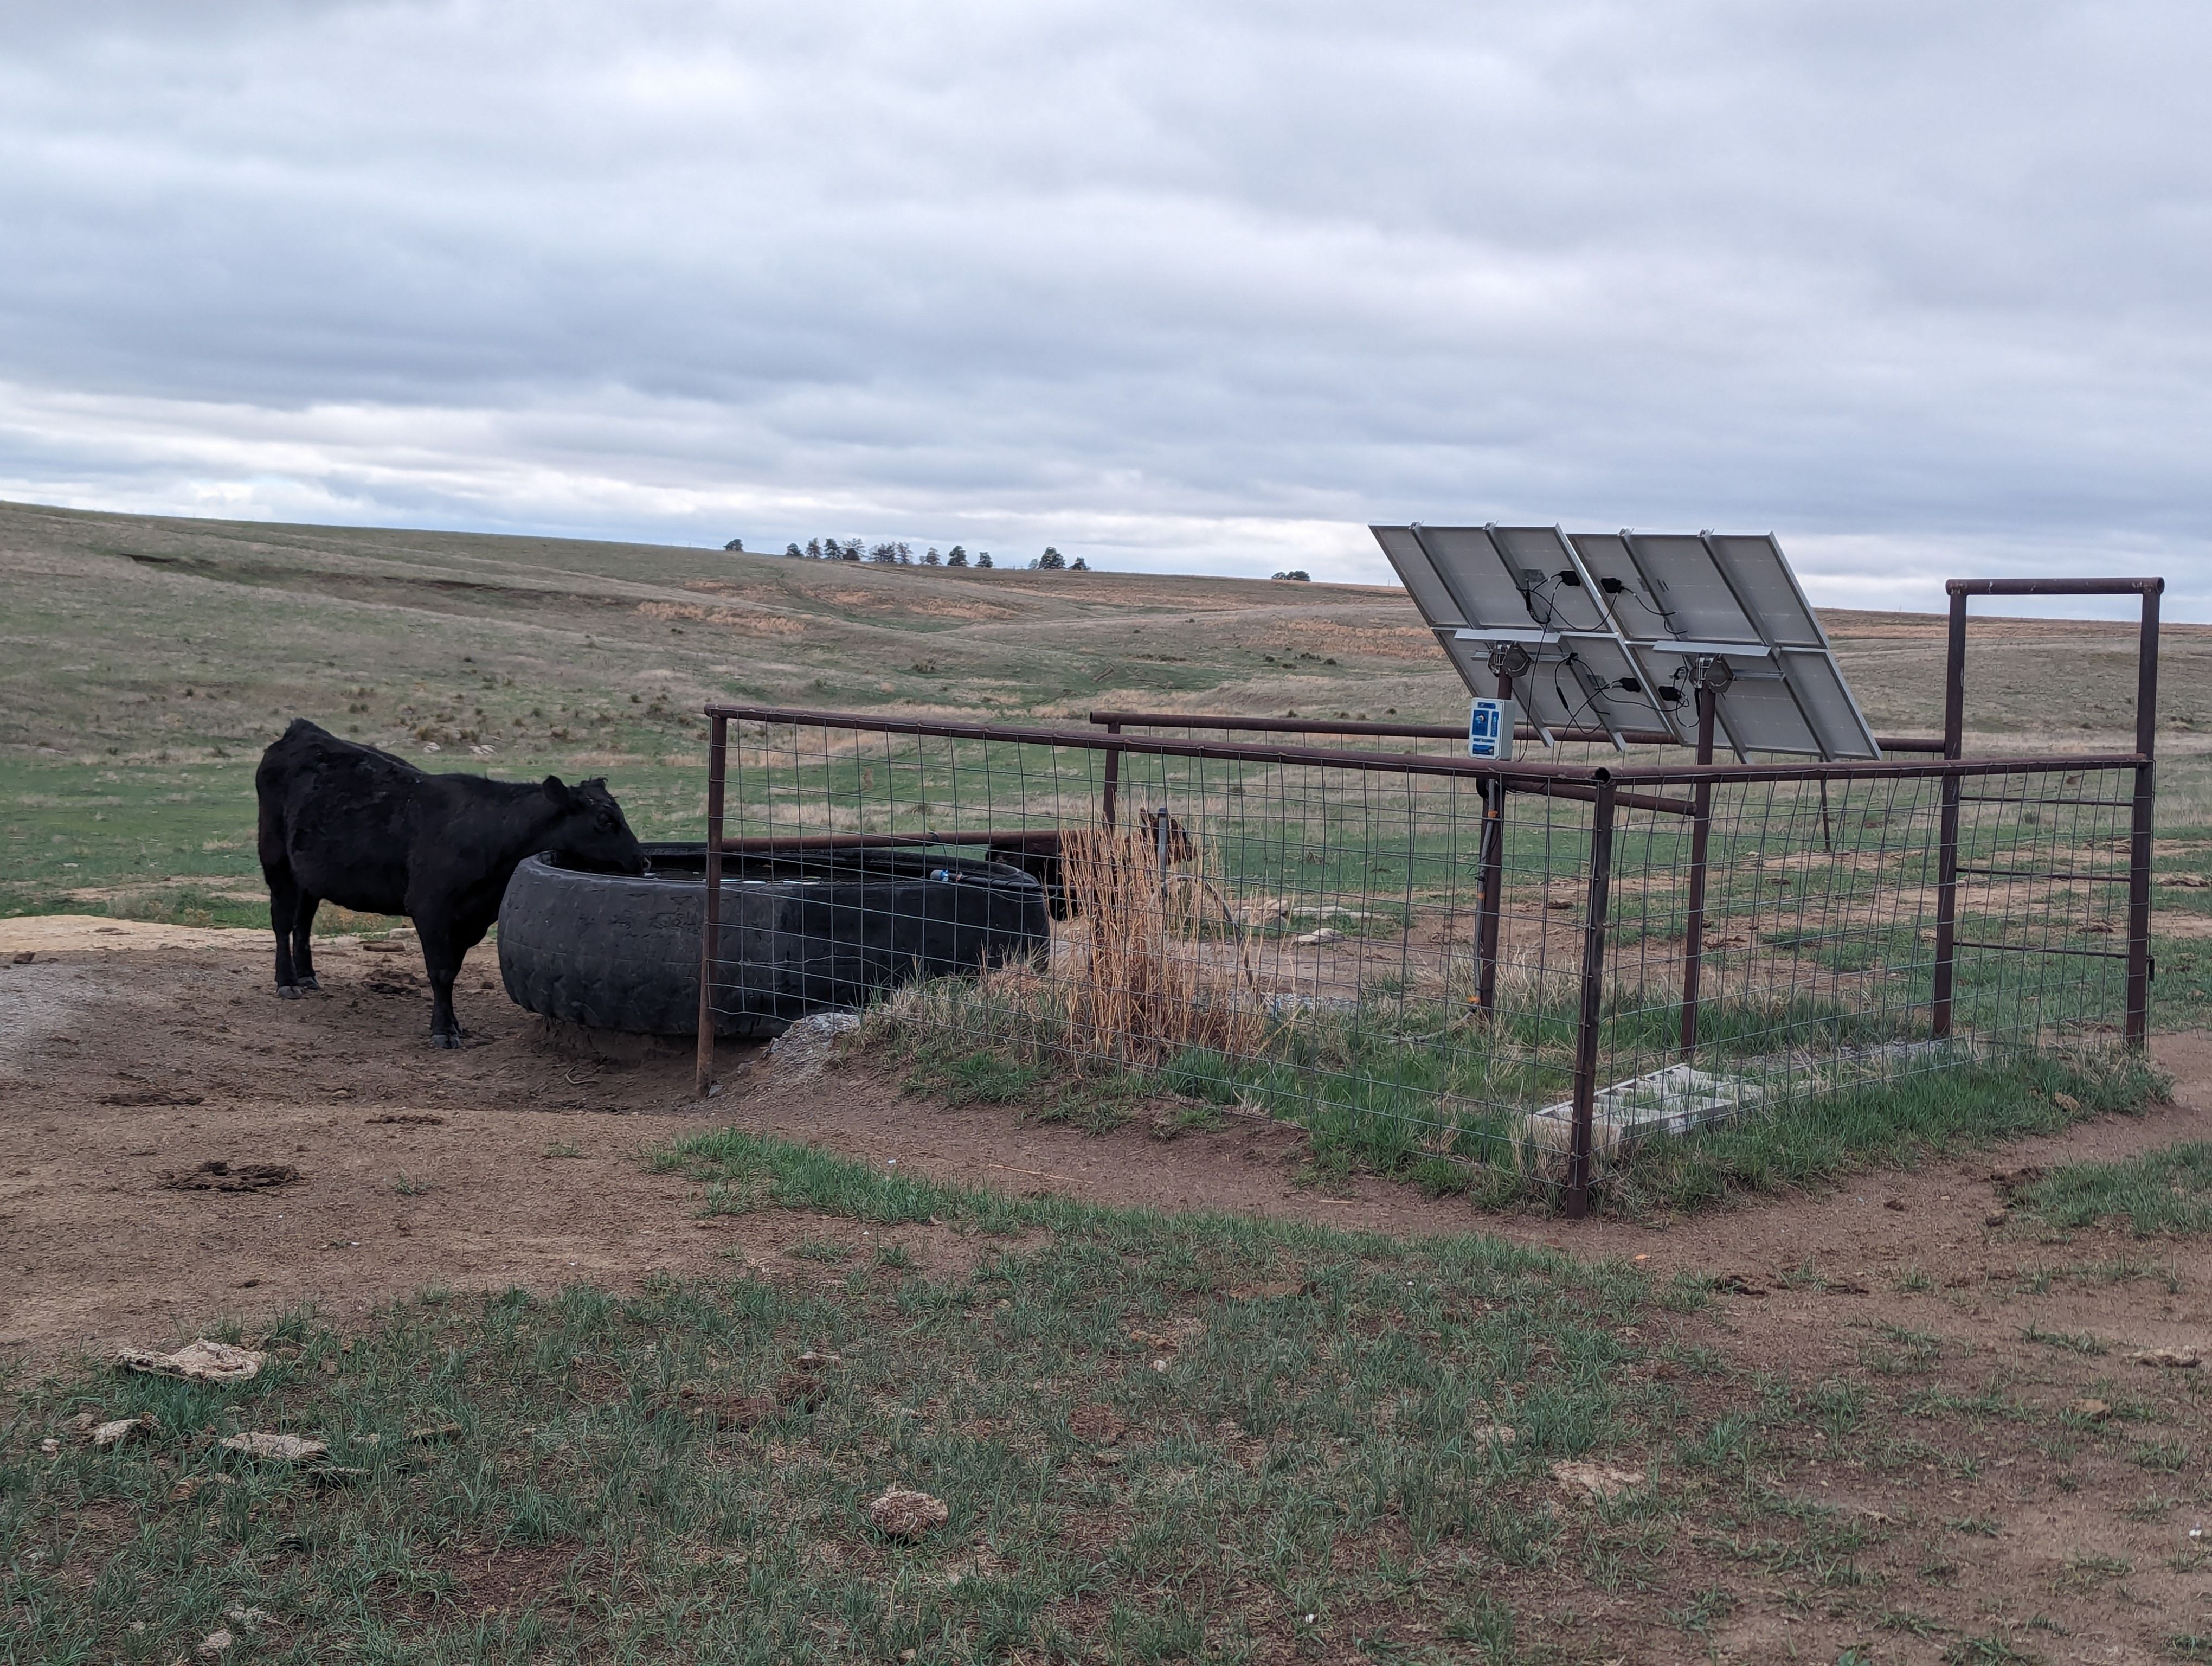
x,y
308,983
287,992
445,1041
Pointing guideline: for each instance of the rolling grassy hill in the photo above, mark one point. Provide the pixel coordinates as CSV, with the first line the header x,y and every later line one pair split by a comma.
x,y
145,661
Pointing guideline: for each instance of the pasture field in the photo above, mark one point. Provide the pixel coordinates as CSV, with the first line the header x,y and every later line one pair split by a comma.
x,y
144,662
605,1374
1156,1438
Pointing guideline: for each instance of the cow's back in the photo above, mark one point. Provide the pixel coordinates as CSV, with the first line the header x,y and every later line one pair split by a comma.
x,y
338,815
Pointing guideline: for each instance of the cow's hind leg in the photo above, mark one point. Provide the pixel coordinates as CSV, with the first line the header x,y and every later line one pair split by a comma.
x,y
283,909
441,959
303,940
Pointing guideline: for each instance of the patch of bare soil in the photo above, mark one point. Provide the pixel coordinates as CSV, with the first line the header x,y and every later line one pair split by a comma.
x,y
122,1066
491,1579
177,1145
132,1062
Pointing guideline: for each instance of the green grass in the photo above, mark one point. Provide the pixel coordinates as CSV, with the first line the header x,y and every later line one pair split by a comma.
x,y
1157,1438
1446,1113
1896,1126
2165,1192
171,840
2074,1341
173,843
747,1171
1311,1447
144,662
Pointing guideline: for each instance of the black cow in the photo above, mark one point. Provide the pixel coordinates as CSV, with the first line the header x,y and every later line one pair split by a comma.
x,y
370,832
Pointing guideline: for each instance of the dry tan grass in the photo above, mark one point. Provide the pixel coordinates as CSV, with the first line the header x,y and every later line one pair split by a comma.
x,y
1149,982
759,624
1148,963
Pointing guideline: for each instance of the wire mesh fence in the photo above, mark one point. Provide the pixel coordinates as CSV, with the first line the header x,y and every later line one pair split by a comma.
x,y
1531,970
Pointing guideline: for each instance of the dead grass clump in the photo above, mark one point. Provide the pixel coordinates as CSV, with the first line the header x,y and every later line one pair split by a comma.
x,y
1163,965
1151,962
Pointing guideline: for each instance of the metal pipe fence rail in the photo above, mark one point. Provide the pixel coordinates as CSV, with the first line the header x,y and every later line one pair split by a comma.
x,y
1524,972
1116,722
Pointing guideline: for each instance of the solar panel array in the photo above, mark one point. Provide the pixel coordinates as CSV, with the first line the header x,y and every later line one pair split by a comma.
x,y
1609,631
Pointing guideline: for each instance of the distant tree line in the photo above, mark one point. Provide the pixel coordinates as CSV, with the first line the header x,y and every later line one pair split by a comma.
x,y
883,555
902,555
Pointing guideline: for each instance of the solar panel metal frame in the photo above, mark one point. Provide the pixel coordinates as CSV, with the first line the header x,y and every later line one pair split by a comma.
x,y
1462,612
1788,694
1831,734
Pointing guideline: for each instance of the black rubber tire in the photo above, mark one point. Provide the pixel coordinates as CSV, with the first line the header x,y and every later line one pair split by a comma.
x,y
800,933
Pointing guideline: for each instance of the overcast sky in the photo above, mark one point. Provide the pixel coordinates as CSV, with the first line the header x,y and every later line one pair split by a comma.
x,y
1191,286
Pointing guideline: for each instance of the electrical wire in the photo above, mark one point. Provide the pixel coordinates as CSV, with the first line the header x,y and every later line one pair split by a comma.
x,y
1533,598
1589,702
1658,613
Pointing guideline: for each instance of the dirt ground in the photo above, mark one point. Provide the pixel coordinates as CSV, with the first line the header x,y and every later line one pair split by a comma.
x,y
130,1053
514,1161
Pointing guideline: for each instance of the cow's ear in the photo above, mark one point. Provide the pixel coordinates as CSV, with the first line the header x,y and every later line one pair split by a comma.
x,y
555,790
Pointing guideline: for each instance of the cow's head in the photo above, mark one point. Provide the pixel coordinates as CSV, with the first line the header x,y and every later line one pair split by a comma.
x,y
590,831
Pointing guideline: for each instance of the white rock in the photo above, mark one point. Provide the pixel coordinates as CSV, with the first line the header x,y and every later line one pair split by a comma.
x,y
202,1361
804,1049
282,1449
104,1435
1595,1480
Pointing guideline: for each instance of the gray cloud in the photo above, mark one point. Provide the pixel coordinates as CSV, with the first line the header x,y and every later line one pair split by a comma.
x,y
1920,288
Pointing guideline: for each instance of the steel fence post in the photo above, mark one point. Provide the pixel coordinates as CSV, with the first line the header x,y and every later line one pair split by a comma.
x,y
1593,999
717,745
1490,900
1947,845
1693,929
2139,831
1113,779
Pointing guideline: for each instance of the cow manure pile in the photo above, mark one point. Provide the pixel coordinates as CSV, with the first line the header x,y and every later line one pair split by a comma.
x,y
218,1176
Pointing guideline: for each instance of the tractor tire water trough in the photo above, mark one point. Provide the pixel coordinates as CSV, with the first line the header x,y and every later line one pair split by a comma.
x,y
801,932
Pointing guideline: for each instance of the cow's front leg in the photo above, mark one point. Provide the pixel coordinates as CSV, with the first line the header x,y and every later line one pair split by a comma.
x,y
283,906
441,959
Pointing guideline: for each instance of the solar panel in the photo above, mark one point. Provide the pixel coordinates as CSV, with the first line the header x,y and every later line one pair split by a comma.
x,y
1586,680
1612,626
1488,590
